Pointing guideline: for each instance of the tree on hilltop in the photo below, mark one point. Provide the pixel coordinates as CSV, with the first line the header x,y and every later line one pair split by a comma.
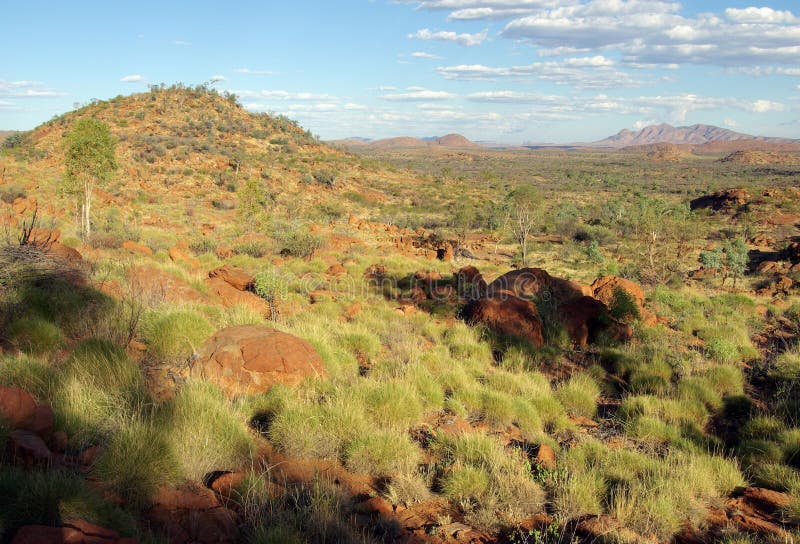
x,y
89,160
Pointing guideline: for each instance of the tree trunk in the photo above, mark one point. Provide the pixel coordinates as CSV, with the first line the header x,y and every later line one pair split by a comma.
x,y
524,251
87,209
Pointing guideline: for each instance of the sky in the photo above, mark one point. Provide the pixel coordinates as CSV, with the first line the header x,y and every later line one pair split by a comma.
x,y
509,71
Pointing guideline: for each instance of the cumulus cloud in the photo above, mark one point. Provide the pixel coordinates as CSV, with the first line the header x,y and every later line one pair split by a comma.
x,y
424,55
26,89
418,94
596,72
254,72
285,95
465,39
654,32
133,78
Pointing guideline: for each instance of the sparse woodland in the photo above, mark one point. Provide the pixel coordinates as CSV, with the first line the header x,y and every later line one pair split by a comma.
x,y
263,338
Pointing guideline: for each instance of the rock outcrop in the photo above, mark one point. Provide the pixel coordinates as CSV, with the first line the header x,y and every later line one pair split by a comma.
x,y
507,315
249,359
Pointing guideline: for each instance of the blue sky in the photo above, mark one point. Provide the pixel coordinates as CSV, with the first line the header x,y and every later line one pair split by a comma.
x,y
502,70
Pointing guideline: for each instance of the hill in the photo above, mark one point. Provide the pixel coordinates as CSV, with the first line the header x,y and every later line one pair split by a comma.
x,y
753,157
665,133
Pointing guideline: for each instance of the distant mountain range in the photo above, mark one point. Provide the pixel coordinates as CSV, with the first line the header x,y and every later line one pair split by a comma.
x,y
667,134
405,142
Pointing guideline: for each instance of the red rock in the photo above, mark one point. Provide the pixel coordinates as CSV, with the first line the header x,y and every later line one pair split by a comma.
x,y
604,289
88,456
228,484
766,267
586,318
28,448
352,311
193,515
229,296
376,505
728,200
42,422
375,272
235,277
336,270
546,457
44,237
178,253
321,295
60,441
224,252
508,315
65,253
155,284
536,283
252,358
188,498
470,283
17,407
137,248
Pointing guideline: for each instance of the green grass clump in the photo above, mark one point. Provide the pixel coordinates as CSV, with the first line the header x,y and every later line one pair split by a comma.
x,y
392,404
173,335
382,454
649,495
136,461
54,497
205,431
34,335
28,373
787,365
99,390
495,479
579,395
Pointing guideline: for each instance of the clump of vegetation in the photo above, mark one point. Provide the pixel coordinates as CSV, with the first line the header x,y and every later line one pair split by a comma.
x,y
174,334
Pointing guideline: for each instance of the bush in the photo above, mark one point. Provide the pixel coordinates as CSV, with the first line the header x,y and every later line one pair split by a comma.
x,y
382,454
136,461
205,431
325,177
297,241
34,336
174,335
10,193
579,395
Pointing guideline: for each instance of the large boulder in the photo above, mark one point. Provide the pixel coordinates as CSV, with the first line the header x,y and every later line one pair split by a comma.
x,y
537,283
605,290
725,201
586,318
508,315
235,277
193,515
228,296
249,359
470,283
76,531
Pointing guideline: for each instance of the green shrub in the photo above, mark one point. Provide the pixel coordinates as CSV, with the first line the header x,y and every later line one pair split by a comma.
x,y
173,335
623,306
35,336
382,454
205,431
54,497
466,483
136,461
297,240
579,395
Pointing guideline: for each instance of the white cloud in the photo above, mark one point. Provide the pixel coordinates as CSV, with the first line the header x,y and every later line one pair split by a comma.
x,y
424,55
645,32
597,72
765,15
465,39
731,123
513,97
26,89
254,72
181,43
764,106
418,94
285,95
133,78
217,78
350,106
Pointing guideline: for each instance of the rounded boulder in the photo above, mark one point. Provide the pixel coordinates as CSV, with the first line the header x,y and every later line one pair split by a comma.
x,y
250,359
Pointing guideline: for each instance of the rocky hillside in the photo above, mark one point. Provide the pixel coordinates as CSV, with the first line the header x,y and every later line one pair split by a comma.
x,y
665,133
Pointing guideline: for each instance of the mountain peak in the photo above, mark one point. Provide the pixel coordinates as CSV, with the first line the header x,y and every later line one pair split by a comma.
x,y
697,134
